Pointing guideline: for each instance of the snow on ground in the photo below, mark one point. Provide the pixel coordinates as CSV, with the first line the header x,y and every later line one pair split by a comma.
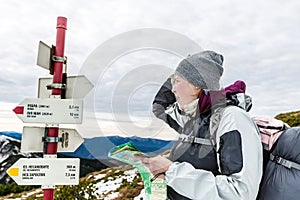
x,y
107,187
31,193
110,185
99,176
3,157
112,196
130,174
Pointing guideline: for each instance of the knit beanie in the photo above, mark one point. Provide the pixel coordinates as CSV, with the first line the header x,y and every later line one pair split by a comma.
x,y
203,69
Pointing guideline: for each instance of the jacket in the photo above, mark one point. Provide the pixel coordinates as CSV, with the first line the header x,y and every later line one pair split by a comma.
x,y
226,164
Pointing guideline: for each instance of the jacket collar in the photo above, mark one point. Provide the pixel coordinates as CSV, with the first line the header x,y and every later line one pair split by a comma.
x,y
231,95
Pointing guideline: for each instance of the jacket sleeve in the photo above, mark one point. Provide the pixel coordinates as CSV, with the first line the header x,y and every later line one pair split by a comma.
x,y
163,99
239,158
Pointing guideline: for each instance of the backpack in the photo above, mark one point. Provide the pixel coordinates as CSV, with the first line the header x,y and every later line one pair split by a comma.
x,y
270,129
281,175
281,165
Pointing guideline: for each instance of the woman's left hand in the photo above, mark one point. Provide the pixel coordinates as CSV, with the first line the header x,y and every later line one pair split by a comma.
x,y
156,165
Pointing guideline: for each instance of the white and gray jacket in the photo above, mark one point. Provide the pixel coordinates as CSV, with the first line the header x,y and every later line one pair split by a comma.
x,y
239,159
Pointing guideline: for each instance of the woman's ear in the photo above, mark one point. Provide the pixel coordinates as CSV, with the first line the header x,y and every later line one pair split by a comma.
x,y
198,92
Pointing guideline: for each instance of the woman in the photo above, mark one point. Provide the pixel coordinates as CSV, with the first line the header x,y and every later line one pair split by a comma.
x,y
218,154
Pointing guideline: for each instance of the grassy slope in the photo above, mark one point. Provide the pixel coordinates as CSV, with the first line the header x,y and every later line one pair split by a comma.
x,y
291,118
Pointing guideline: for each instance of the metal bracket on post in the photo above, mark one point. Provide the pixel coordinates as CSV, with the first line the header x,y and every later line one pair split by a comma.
x,y
55,58
52,139
59,59
56,86
46,135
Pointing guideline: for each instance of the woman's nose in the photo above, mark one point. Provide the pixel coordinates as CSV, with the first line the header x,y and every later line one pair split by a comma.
x,y
173,89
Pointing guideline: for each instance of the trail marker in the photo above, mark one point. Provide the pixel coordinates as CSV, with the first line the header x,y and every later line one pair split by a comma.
x,y
45,171
32,140
60,102
56,111
77,87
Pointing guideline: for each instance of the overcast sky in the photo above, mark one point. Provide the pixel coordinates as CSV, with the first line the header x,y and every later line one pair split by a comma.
x,y
259,40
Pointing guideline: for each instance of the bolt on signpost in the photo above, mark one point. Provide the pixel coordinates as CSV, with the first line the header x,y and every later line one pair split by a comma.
x,y
52,108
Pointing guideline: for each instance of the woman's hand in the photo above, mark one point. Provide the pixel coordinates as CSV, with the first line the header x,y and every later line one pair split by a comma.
x,y
156,165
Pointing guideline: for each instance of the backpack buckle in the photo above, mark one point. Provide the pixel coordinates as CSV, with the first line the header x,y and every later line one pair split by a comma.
x,y
286,163
190,139
187,139
277,159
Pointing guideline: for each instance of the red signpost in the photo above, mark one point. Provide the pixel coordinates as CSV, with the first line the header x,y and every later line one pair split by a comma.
x,y
51,147
54,106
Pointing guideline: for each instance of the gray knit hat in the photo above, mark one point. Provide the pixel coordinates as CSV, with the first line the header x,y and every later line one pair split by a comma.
x,y
203,69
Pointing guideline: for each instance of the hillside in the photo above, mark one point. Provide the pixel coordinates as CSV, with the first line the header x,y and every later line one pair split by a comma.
x,y
291,118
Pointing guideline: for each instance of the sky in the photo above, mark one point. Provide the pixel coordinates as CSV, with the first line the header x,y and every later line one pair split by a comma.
x,y
128,48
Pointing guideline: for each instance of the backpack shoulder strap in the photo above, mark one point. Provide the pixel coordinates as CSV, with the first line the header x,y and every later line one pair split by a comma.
x,y
215,120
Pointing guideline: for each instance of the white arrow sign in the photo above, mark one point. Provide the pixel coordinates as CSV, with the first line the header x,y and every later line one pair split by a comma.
x,y
32,139
45,171
56,111
77,87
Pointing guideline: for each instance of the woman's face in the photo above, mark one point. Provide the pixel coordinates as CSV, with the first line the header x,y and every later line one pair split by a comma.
x,y
184,91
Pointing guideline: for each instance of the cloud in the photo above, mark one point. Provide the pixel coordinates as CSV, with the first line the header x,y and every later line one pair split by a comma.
x,y
259,40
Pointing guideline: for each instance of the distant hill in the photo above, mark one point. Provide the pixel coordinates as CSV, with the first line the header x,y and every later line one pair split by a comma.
x,y
291,118
98,147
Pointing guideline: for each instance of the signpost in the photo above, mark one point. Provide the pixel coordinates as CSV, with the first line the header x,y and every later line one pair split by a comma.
x,y
77,87
45,171
59,102
55,111
32,139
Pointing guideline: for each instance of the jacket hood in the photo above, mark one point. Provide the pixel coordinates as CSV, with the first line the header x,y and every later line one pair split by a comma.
x,y
233,94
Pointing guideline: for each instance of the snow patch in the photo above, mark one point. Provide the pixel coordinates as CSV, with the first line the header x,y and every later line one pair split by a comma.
x,y
5,138
105,187
99,176
32,193
112,196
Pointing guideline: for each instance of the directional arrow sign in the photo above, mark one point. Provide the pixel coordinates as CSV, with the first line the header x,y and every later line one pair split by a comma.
x,y
32,139
56,111
45,171
77,87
